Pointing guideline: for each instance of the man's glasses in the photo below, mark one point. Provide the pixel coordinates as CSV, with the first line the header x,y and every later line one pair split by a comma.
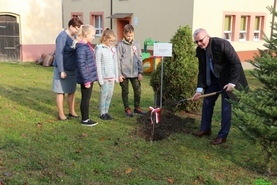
x,y
201,40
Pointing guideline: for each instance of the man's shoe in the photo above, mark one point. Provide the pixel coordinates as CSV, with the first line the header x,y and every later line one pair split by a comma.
x,y
128,112
218,141
88,123
104,117
202,133
138,111
109,117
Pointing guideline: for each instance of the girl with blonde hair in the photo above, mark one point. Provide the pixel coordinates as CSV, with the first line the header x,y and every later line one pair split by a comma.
x,y
86,69
107,71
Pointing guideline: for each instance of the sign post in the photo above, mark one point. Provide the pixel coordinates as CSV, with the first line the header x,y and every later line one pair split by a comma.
x,y
162,50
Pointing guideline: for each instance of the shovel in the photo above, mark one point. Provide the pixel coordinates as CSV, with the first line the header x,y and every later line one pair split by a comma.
x,y
188,99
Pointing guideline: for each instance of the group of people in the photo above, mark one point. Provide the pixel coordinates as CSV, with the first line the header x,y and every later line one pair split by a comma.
x,y
220,69
77,62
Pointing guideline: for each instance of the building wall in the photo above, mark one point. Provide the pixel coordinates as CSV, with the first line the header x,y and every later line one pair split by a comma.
x,y
154,18
157,19
213,20
40,22
160,19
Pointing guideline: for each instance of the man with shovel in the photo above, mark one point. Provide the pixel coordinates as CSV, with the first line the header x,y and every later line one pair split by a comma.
x,y
220,69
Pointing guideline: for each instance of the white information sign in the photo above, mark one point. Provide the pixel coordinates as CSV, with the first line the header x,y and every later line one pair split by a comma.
x,y
162,49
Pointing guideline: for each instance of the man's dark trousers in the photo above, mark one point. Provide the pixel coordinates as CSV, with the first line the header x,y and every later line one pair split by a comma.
x,y
208,108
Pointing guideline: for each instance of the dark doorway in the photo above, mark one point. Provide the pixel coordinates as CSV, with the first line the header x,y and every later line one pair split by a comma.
x,y
9,38
120,26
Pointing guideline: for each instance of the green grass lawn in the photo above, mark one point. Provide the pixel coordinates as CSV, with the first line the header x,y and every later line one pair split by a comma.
x,y
37,148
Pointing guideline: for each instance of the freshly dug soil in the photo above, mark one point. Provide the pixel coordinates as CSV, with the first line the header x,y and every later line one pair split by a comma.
x,y
170,123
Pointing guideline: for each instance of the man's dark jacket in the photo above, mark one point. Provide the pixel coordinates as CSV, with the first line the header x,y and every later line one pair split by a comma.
x,y
226,63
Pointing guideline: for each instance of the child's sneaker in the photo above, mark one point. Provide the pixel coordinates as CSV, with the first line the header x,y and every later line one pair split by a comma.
x,y
128,112
88,123
109,117
104,117
138,111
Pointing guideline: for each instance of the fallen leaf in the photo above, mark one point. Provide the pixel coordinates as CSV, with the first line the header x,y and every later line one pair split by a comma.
x,y
226,146
84,135
200,178
60,174
102,138
129,170
171,181
153,177
78,150
39,125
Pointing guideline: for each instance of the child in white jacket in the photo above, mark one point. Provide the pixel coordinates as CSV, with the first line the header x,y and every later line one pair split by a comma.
x,y
107,71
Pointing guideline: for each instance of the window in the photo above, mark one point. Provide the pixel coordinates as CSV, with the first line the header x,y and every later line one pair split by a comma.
x,y
238,26
96,19
228,27
257,28
243,28
98,25
79,15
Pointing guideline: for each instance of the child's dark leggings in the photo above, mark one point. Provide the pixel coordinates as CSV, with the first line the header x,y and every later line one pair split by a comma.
x,y
85,99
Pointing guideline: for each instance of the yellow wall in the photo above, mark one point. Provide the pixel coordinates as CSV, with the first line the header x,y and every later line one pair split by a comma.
x,y
40,20
159,19
209,15
156,19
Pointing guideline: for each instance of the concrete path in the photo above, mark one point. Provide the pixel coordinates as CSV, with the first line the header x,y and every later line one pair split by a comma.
x,y
247,65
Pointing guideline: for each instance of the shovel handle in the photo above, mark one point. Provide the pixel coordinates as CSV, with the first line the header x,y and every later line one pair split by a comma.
x,y
207,95
201,96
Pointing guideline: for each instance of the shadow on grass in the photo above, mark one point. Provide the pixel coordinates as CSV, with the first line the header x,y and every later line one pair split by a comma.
x,y
233,150
30,97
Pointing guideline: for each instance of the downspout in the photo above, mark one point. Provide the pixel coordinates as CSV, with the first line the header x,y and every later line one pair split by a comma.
x,y
62,14
273,19
111,20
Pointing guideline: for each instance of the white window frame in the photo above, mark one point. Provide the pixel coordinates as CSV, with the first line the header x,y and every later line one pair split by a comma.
x,y
242,35
257,33
228,33
98,28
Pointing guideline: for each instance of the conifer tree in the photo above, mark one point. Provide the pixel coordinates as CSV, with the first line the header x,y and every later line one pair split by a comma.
x,y
179,71
256,111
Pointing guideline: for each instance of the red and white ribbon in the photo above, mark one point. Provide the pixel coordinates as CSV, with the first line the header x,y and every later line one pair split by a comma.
x,y
155,112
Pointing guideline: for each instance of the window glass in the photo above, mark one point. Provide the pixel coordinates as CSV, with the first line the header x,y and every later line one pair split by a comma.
x,y
98,24
228,27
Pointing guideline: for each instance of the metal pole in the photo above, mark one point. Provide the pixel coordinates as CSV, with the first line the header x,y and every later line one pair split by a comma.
x,y
111,20
161,92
